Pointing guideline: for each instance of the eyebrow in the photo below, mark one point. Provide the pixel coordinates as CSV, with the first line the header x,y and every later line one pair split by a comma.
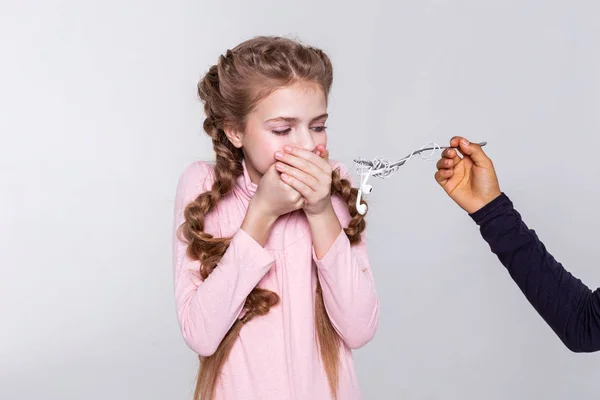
x,y
293,119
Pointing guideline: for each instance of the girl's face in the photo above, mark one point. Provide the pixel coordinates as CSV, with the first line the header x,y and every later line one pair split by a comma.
x,y
294,115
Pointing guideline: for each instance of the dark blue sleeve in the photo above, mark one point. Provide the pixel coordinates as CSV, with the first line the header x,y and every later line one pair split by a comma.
x,y
570,308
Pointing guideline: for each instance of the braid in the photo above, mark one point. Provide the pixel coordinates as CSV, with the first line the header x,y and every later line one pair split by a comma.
x,y
344,189
327,337
209,250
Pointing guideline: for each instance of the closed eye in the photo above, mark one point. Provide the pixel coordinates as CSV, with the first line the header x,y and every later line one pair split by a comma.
x,y
318,129
282,132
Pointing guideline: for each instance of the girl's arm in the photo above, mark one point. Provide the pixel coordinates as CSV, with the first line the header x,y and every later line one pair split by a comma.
x,y
207,309
345,275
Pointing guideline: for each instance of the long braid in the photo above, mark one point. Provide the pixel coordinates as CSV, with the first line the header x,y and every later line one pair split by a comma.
x,y
209,250
344,189
328,339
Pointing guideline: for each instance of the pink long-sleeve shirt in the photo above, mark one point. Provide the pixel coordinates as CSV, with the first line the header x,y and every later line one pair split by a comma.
x,y
275,356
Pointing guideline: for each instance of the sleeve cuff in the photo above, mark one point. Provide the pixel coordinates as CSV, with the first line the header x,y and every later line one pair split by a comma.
x,y
492,209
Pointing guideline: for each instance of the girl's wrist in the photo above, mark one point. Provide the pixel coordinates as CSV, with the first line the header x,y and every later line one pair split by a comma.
x,y
258,223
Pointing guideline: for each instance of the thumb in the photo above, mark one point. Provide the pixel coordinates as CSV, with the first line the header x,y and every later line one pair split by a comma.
x,y
474,151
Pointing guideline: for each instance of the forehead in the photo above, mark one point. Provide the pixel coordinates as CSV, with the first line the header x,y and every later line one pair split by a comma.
x,y
302,100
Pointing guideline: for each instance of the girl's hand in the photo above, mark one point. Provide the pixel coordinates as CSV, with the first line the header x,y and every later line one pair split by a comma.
x,y
309,174
322,152
274,197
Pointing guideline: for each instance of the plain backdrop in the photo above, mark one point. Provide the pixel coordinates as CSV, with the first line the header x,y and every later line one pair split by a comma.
x,y
99,116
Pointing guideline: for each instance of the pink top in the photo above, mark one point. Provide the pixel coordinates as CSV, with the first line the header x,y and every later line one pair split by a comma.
x,y
276,355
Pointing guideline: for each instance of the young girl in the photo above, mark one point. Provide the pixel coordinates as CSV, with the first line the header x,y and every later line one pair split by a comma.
x,y
272,281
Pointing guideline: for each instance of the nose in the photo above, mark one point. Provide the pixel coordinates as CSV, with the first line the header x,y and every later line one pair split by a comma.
x,y
304,140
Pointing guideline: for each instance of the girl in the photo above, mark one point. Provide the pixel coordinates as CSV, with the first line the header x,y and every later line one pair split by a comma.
x,y
272,281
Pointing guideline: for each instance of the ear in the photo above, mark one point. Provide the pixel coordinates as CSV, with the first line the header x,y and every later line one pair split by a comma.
x,y
234,135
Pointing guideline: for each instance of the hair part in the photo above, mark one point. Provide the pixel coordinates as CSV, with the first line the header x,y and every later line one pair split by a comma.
x,y
230,90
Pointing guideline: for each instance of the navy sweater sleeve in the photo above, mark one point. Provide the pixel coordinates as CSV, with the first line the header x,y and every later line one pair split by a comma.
x,y
570,308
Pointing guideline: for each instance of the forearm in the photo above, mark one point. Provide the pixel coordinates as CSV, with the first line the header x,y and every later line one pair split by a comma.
x,y
324,229
569,307
207,309
346,281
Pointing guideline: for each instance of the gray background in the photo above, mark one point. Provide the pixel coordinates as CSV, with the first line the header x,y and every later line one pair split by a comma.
x,y
99,116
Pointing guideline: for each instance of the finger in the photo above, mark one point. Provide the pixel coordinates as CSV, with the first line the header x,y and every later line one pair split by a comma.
x,y
320,160
474,151
447,163
455,141
302,164
450,159
442,176
308,156
305,178
450,153
296,196
304,190
323,152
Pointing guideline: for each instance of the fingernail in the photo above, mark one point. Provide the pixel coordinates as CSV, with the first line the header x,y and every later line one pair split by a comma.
x,y
465,142
278,154
279,165
287,148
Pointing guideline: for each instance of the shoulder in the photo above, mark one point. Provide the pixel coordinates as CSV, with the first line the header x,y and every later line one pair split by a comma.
x,y
195,179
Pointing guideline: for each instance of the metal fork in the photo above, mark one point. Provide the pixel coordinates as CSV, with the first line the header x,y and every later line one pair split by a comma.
x,y
379,168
